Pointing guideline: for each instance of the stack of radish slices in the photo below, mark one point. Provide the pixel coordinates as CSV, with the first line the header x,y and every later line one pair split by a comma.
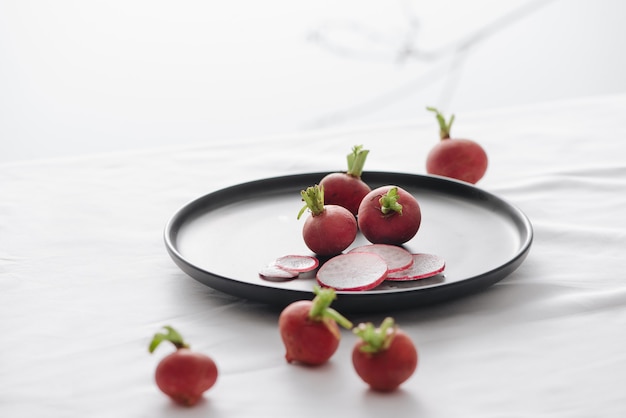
x,y
288,267
361,268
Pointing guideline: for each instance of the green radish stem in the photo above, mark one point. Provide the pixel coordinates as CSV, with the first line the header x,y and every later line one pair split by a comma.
x,y
321,307
170,335
356,160
389,202
444,127
376,339
314,200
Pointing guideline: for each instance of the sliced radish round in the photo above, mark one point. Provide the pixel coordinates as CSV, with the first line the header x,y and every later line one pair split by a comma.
x,y
274,273
397,258
353,271
424,266
300,263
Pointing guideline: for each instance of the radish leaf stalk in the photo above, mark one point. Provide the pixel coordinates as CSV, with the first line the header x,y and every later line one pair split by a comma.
x,y
321,307
170,335
356,161
313,198
444,127
376,339
389,202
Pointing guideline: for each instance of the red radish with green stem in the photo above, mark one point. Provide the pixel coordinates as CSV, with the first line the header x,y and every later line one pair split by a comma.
x,y
310,330
461,159
384,357
347,189
183,375
329,229
389,215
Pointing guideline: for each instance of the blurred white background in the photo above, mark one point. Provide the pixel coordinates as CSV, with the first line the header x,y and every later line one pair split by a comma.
x,y
82,77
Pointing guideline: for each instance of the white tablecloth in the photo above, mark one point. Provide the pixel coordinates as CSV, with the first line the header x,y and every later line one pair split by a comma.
x,y
85,280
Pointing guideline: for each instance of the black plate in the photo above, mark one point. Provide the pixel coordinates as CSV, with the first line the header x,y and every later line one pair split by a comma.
x,y
223,238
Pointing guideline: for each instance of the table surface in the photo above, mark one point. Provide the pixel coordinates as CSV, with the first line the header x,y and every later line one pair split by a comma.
x,y
85,280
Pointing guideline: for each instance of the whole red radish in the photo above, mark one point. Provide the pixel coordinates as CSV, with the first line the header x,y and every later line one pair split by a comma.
x,y
329,229
384,357
310,330
347,189
461,159
183,375
389,215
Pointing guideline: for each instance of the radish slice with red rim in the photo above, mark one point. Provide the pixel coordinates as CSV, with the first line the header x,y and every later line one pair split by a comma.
x,y
397,258
353,271
274,273
299,263
424,266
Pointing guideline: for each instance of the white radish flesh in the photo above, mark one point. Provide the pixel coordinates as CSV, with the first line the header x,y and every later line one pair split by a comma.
x,y
397,258
424,266
353,271
299,263
274,273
